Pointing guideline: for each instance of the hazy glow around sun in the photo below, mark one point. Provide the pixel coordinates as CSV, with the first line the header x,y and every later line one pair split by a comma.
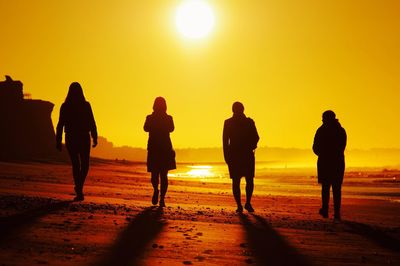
x,y
194,19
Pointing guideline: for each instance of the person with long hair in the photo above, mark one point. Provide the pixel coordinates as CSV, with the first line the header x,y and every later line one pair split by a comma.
x,y
77,118
160,154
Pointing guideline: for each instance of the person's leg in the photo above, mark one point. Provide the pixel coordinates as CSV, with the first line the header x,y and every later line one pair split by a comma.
x,y
154,182
85,158
337,198
75,161
76,166
325,194
163,187
236,193
249,193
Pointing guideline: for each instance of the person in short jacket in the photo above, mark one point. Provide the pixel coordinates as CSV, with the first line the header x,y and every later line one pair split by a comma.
x,y
329,145
240,140
77,118
160,154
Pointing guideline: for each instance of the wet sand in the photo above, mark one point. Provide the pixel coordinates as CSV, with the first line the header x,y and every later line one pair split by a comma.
x,y
116,224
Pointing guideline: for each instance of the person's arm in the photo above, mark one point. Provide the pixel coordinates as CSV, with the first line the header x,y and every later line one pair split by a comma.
x,y
171,126
255,135
147,127
225,142
344,140
316,144
60,127
93,127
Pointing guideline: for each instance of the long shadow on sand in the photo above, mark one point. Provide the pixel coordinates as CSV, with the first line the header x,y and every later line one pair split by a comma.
x,y
131,243
12,225
375,234
269,247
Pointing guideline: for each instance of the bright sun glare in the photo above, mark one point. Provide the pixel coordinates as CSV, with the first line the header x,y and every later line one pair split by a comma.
x,y
194,19
200,171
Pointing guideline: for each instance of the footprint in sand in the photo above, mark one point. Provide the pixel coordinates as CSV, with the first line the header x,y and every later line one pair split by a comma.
x,y
249,261
200,258
246,253
208,251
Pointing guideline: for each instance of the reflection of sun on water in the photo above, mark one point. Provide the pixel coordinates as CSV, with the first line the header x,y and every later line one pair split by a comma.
x,y
198,172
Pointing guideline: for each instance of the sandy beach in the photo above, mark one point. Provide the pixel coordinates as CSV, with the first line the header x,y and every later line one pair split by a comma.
x,y
116,224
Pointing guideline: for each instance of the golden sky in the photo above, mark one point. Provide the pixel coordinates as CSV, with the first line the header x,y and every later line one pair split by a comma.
x,y
287,61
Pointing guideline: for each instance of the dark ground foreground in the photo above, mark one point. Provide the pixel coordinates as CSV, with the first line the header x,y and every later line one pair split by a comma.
x,y
115,225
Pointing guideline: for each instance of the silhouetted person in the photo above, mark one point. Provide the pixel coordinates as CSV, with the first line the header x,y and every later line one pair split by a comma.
x,y
160,154
240,140
76,117
329,144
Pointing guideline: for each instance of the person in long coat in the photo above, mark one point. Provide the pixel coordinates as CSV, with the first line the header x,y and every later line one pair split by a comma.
x,y
240,138
77,118
160,153
329,145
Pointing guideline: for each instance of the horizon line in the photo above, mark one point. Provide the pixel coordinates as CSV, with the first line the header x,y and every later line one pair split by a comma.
x,y
261,147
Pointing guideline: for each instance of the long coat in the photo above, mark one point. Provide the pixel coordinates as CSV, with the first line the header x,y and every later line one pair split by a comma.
x,y
240,139
160,154
329,145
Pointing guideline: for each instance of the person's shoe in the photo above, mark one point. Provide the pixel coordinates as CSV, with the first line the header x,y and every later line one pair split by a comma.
x,y
79,197
323,213
337,218
248,207
239,209
79,194
162,203
154,200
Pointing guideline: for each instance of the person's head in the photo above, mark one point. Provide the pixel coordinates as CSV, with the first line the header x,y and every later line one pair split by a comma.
x,y
328,116
75,93
160,105
237,108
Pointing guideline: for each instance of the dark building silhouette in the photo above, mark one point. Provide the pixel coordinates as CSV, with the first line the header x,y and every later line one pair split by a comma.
x,y
26,129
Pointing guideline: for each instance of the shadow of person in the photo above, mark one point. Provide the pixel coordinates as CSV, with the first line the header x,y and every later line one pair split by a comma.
x,y
268,246
375,234
12,225
131,242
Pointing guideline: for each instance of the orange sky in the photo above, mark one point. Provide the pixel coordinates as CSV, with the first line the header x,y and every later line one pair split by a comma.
x,y
287,61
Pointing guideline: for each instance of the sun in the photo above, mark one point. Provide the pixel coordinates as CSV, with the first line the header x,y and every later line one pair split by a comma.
x,y
194,19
